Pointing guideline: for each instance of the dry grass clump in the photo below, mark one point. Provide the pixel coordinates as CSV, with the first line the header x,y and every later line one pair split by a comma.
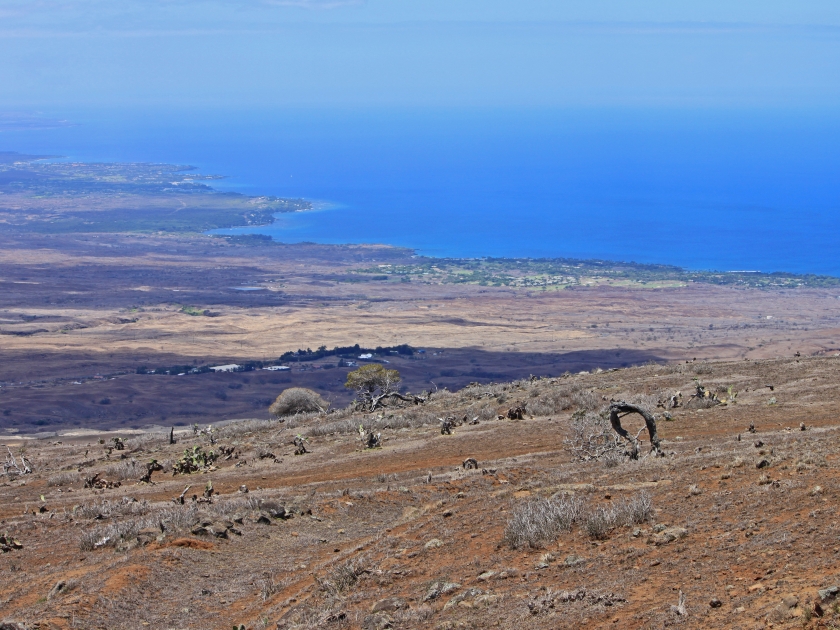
x,y
634,511
297,400
125,469
114,534
591,437
539,522
244,427
64,479
107,509
341,577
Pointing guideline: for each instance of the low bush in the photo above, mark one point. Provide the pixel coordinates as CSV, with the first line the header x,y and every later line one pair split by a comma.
x,y
539,522
298,400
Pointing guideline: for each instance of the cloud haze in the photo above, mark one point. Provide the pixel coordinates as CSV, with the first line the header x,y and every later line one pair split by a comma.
x,y
534,53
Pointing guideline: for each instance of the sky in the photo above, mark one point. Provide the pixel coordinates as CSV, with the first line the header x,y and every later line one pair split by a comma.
x,y
58,54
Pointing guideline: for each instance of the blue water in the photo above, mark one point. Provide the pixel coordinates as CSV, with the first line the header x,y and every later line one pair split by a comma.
x,y
731,190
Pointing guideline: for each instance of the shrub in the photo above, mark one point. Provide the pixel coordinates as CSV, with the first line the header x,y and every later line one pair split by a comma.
x,y
592,437
64,479
600,522
125,469
343,576
297,400
539,522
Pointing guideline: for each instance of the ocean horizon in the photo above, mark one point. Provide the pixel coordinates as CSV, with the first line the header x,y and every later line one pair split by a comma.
x,y
701,189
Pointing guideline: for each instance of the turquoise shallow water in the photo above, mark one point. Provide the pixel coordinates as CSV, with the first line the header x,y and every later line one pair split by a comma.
x,y
732,190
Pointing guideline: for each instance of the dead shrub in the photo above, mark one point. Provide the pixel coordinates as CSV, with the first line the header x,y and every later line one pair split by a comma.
x,y
599,523
125,469
551,402
591,437
126,506
586,400
114,534
636,510
341,577
297,400
539,522
64,479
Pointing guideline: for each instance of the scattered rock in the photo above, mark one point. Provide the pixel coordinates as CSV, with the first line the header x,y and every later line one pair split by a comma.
x,y
828,594
389,604
378,621
462,597
147,535
573,560
440,588
668,535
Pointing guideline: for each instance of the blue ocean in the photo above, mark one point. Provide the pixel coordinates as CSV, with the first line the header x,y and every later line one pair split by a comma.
x,y
703,189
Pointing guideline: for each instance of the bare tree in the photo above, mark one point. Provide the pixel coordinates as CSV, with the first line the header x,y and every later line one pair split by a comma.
x,y
14,467
620,408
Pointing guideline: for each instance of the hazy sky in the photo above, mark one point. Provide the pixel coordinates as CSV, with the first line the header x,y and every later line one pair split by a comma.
x,y
235,53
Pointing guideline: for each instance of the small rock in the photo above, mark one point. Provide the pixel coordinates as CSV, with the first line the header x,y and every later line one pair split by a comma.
x,y
762,463
790,601
802,426
440,588
573,560
486,576
389,604
434,543
460,598
827,594
447,514
264,519
637,532
758,443
715,602
668,535
243,489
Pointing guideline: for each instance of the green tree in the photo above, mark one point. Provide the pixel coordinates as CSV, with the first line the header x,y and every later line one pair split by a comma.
x,y
372,383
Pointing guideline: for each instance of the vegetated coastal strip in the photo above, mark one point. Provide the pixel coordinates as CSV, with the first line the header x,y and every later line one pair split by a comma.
x,y
567,273
77,197
46,197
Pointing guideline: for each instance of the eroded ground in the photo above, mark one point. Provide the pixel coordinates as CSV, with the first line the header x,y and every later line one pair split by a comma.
x,y
403,536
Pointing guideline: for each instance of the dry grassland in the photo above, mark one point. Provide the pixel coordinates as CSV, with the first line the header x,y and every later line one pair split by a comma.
x,y
722,532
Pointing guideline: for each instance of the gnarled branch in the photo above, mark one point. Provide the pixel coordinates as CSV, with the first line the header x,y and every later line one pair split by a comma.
x,y
621,407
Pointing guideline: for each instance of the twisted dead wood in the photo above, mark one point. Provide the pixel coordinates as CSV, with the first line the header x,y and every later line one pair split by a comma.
x,y
623,408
